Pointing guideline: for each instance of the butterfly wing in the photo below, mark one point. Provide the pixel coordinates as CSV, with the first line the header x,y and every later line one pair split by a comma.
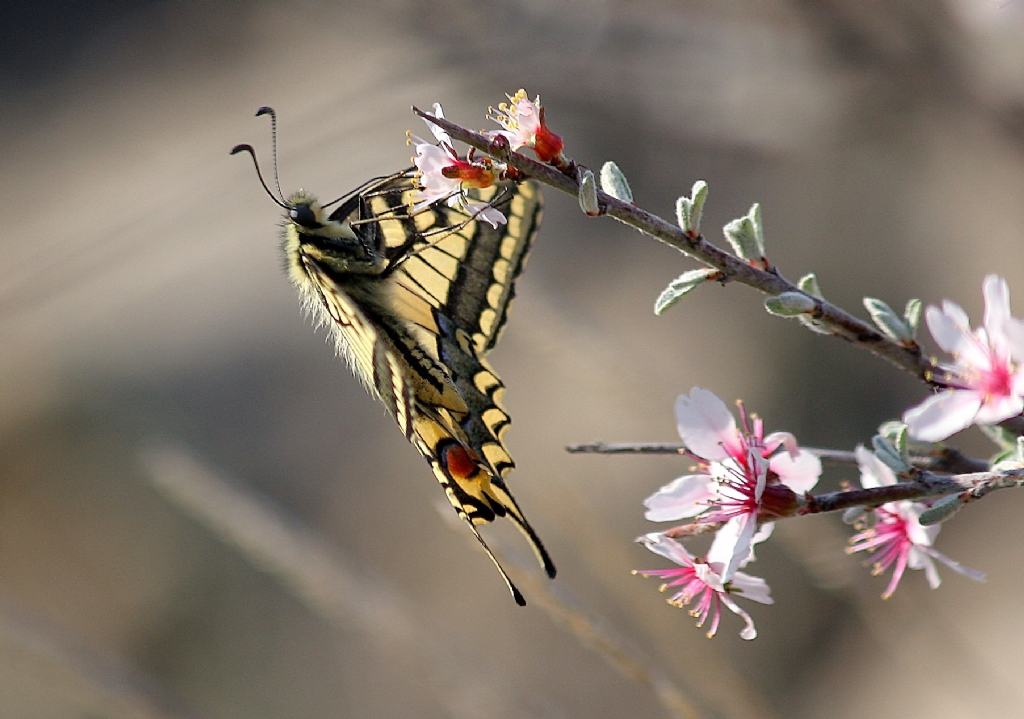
x,y
454,277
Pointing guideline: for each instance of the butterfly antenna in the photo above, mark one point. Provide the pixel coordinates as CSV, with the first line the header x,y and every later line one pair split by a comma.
x,y
252,153
265,110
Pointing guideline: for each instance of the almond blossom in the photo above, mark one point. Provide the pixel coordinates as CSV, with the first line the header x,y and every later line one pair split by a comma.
x,y
522,122
443,175
701,581
741,478
985,383
898,539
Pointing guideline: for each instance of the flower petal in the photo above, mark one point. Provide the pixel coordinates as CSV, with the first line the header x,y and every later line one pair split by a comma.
x,y
800,472
942,414
706,425
954,565
948,325
763,533
686,496
918,559
752,588
873,471
441,136
732,544
1013,333
668,548
480,210
917,533
748,632
996,409
997,304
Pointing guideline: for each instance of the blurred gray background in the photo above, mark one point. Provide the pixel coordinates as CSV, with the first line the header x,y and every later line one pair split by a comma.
x,y
149,338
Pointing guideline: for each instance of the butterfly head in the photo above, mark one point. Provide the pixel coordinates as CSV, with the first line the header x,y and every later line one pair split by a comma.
x,y
305,211
311,235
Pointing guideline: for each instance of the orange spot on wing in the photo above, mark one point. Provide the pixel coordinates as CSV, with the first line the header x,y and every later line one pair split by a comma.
x,y
459,462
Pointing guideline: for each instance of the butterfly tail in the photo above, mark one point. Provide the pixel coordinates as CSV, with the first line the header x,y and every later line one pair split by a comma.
x,y
538,547
477,495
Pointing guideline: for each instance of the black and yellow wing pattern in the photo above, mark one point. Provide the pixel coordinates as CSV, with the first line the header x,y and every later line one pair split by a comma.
x,y
415,302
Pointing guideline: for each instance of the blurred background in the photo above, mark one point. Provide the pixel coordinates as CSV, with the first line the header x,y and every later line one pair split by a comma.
x,y
203,515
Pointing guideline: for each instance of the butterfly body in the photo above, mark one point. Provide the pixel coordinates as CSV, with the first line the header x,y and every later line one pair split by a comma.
x,y
414,303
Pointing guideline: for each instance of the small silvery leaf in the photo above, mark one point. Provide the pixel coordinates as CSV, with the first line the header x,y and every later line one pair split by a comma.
x,y
912,316
755,218
588,193
690,209
809,284
892,429
745,235
740,233
890,323
790,304
614,182
683,285
886,451
900,441
942,510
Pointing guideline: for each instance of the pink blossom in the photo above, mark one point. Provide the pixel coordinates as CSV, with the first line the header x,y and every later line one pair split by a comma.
x,y
443,175
700,581
522,122
741,479
985,383
897,538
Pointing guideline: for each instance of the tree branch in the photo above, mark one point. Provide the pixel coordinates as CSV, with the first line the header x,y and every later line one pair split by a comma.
x,y
770,282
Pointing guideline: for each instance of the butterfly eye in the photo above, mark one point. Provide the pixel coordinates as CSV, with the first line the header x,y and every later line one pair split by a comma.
x,y
304,215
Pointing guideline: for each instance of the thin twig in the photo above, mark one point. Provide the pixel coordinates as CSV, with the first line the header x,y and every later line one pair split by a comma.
x,y
627,448
945,459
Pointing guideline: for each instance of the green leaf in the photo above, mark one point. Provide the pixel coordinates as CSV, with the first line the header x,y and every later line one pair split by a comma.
x,y
614,182
588,193
890,323
689,210
942,510
886,451
790,304
912,316
682,286
809,284
746,236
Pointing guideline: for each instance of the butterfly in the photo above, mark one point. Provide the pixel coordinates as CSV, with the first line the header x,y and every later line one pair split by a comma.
x,y
415,300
